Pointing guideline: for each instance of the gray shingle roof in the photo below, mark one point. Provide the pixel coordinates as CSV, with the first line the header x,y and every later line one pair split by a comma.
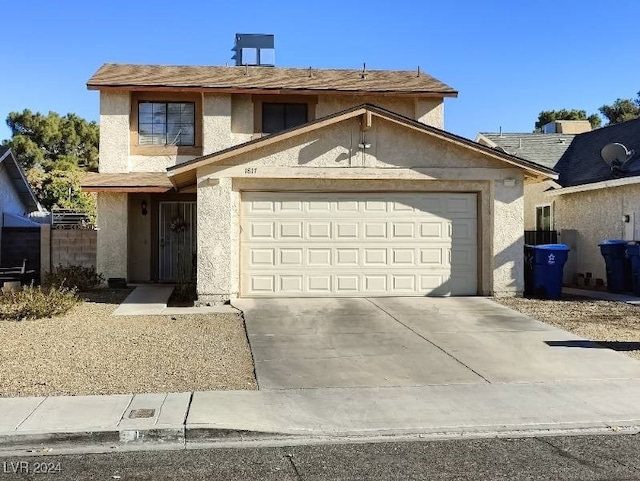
x,y
543,149
582,163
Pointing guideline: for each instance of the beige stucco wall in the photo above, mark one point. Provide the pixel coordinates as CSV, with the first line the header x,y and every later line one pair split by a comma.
x,y
112,221
156,163
114,131
595,216
428,111
216,122
318,165
241,118
508,238
216,223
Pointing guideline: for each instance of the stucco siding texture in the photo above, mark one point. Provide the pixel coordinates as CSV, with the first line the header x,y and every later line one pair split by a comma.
x,y
156,163
115,107
337,147
595,216
427,111
112,220
508,239
216,223
334,150
216,123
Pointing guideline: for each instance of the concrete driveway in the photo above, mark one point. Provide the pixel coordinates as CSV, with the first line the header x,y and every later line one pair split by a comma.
x,y
383,342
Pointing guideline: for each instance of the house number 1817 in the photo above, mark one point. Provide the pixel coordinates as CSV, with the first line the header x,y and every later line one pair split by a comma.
x,y
251,170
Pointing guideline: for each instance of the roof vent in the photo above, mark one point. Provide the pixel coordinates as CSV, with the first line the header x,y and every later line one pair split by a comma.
x,y
255,49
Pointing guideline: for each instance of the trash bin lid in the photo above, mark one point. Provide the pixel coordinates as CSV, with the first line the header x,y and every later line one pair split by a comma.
x,y
610,242
552,247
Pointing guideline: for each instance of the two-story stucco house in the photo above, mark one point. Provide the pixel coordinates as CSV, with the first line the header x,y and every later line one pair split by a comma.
x,y
301,182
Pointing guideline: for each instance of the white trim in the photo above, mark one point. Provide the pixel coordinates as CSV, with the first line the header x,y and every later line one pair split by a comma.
x,y
551,216
605,184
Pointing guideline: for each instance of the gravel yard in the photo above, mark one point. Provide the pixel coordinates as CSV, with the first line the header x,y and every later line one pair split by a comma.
x,y
87,351
615,324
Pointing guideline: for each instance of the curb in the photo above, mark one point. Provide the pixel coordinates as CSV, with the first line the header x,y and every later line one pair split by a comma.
x,y
185,437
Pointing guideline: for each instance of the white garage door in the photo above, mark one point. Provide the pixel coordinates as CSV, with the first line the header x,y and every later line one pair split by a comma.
x,y
358,244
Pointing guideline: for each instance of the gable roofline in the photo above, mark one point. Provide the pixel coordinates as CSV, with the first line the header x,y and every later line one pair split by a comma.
x,y
267,80
185,173
26,193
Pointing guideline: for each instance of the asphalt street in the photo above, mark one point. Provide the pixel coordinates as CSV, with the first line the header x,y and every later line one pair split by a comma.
x,y
613,457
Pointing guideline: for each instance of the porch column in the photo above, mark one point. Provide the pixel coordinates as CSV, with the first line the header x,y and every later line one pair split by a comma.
x,y
215,219
508,236
112,234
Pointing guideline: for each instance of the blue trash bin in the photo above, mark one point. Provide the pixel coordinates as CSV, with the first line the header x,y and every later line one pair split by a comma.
x,y
617,264
546,264
633,252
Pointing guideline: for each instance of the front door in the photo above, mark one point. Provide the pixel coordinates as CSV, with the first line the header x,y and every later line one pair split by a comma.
x,y
177,241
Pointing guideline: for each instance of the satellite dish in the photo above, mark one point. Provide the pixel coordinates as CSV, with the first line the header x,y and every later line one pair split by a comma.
x,y
615,152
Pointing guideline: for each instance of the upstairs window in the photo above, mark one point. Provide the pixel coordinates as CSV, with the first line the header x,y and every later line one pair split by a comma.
x,y
166,123
277,117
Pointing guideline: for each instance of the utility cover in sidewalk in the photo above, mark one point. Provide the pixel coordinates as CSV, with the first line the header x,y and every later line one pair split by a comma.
x,y
141,413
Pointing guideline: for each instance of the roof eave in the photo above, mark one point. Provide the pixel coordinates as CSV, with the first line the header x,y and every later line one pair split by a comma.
x,y
603,184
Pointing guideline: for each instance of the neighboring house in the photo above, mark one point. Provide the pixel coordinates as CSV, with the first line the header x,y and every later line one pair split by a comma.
x,y
592,200
271,181
17,199
545,148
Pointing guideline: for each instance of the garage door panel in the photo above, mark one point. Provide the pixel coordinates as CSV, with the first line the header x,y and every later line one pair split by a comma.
x,y
346,257
291,257
318,257
355,244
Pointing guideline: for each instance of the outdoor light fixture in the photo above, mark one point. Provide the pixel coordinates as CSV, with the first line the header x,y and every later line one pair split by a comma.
x,y
364,145
626,218
144,207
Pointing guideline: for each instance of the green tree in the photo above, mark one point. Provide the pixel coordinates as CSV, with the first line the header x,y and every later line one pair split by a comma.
x,y
55,151
621,110
547,116
46,139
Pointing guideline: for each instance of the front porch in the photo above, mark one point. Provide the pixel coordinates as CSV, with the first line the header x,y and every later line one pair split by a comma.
x,y
147,236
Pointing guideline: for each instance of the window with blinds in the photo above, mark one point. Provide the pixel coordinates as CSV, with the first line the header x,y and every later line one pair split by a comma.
x,y
166,123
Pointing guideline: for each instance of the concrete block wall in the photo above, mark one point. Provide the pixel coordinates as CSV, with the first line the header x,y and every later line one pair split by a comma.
x,y
73,247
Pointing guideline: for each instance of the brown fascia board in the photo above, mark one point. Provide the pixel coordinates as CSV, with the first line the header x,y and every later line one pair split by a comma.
x,y
275,91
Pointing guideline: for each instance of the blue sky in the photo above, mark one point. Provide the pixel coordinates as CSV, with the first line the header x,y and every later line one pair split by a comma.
x,y
509,59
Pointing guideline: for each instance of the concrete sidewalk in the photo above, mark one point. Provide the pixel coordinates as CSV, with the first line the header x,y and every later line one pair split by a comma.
x,y
183,420
152,299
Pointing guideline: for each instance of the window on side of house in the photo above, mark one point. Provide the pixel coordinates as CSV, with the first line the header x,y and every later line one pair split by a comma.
x,y
166,123
543,217
277,117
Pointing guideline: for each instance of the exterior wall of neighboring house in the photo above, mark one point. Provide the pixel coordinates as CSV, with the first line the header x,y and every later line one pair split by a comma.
x,y
399,160
534,196
10,202
590,217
